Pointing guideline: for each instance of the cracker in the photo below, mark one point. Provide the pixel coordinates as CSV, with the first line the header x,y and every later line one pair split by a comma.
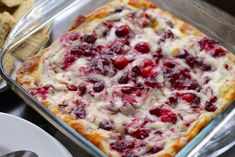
x,y
8,63
12,3
23,9
31,45
6,23
46,28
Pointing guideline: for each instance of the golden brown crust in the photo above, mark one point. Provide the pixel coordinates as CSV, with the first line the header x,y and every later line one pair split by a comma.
x,y
31,66
141,4
77,22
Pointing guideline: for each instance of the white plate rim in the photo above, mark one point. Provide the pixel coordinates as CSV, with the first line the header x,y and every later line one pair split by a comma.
x,y
63,150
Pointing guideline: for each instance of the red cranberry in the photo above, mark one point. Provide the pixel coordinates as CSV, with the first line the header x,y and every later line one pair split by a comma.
x,y
122,31
168,116
155,149
169,64
193,61
98,86
87,50
118,46
109,23
213,99
219,52
82,49
206,79
210,106
142,47
72,88
129,100
82,89
145,72
122,145
90,39
68,60
148,62
157,112
124,79
167,35
136,70
141,133
42,91
172,101
207,44
226,66
106,125
151,82
76,51
121,63
180,79
205,67
80,112
188,97
118,49
164,114
73,36
67,38
127,90
192,99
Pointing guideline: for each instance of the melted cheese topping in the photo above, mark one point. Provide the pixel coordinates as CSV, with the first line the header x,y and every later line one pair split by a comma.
x,y
151,107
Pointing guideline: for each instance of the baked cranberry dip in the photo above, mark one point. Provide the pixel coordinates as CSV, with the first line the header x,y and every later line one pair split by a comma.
x,y
133,79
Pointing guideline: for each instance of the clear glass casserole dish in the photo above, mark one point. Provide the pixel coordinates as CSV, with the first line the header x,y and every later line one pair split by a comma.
x,y
63,12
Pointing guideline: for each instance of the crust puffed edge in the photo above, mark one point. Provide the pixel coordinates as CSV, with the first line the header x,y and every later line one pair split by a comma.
x,y
28,74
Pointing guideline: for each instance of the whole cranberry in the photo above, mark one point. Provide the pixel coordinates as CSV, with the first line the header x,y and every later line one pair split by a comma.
x,y
121,63
123,79
98,86
188,97
219,52
142,47
82,89
148,62
145,72
80,112
122,31
141,133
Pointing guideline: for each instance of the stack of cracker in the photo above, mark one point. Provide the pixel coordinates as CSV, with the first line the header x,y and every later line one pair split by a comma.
x,y
10,12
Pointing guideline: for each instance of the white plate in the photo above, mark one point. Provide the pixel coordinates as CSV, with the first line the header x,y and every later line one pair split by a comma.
x,y
19,134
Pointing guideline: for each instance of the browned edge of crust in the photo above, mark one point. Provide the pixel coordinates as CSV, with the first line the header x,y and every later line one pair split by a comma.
x,y
141,4
77,22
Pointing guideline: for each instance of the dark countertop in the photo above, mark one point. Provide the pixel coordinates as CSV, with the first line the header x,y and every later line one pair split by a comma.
x,y
11,103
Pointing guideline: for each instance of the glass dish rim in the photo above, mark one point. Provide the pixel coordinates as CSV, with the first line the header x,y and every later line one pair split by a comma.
x,y
66,129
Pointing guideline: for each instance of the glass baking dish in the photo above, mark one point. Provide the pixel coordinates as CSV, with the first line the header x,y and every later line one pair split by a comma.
x,y
63,12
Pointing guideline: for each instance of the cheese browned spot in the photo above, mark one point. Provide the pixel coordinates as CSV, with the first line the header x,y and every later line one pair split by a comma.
x,y
140,88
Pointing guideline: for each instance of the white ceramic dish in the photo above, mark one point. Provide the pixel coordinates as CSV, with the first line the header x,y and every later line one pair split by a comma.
x,y
19,134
